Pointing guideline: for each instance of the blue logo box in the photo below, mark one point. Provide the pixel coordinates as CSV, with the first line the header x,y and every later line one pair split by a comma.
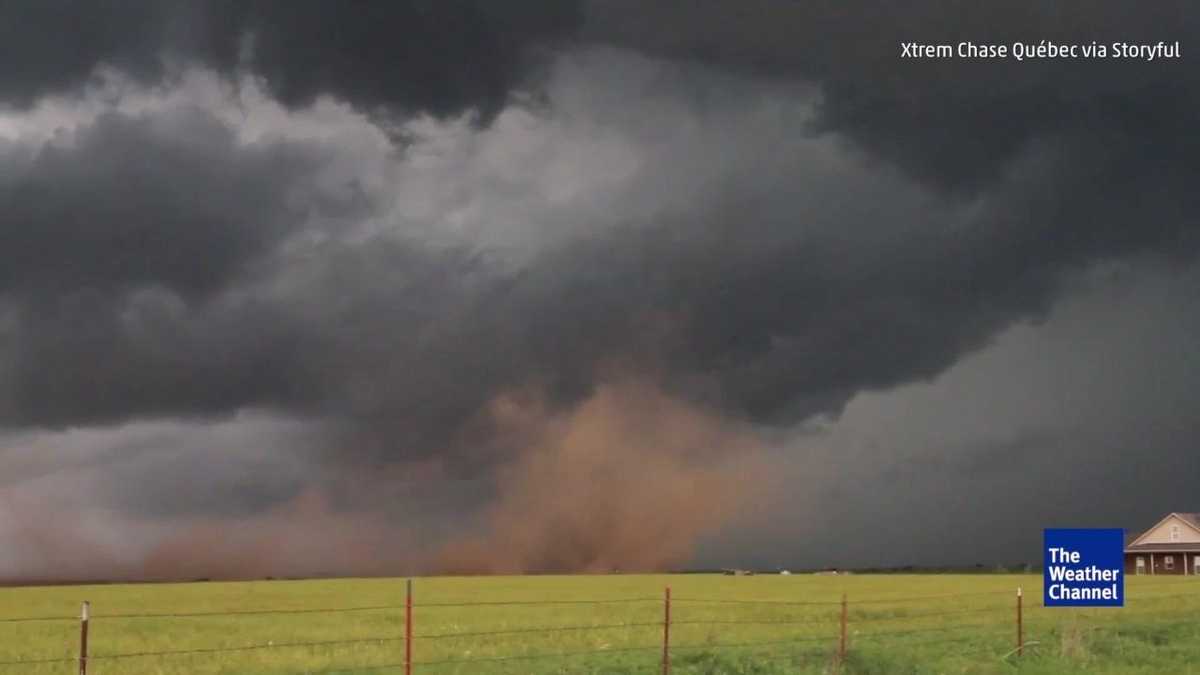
x,y
1083,567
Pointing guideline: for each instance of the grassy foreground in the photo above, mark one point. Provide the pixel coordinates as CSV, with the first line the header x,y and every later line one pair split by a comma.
x,y
897,624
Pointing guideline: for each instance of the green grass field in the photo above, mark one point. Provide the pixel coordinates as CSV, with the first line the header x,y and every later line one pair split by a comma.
x,y
720,624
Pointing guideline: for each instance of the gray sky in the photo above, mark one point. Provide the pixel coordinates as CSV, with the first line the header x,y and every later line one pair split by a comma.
x,y
527,286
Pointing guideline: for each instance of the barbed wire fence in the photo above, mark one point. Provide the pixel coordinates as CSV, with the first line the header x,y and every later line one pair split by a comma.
x,y
837,640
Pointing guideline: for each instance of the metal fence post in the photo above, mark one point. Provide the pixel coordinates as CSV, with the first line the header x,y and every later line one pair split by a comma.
x,y
83,635
1020,631
408,632
666,657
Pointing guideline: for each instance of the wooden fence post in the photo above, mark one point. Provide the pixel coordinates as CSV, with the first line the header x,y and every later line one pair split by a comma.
x,y
83,635
408,632
666,657
842,641
1020,628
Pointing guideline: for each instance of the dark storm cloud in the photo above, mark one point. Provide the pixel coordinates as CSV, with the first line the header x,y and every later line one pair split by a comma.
x,y
120,243
957,122
413,56
753,295
54,46
168,200
422,55
88,358
782,325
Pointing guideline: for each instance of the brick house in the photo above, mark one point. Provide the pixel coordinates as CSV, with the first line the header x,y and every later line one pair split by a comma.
x,y
1170,547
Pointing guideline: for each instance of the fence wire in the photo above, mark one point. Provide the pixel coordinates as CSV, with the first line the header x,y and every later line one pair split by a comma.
x,y
825,620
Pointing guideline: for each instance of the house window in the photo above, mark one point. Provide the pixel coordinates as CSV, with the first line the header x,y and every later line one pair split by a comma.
x,y
1169,562
1141,564
1174,533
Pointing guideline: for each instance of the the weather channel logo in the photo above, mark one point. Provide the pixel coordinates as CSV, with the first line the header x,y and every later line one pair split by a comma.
x,y
1083,568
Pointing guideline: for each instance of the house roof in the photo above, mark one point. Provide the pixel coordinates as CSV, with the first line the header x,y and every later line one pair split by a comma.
x,y
1164,548
1192,519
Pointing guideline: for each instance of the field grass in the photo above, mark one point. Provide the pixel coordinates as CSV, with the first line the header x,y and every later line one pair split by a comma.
x,y
741,625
